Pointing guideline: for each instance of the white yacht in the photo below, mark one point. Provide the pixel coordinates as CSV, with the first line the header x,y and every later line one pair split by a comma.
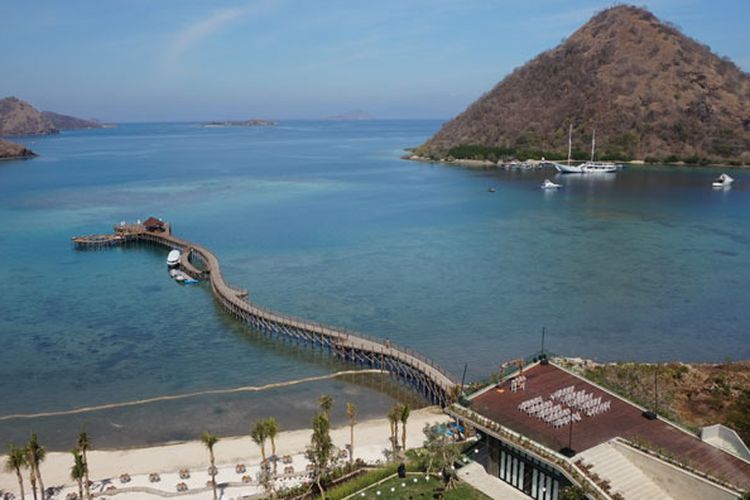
x,y
173,258
591,166
722,181
548,184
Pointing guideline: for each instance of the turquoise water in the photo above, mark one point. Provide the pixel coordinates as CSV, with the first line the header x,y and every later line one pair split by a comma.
x,y
323,220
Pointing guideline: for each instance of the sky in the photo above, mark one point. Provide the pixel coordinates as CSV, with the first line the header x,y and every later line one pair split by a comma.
x,y
184,60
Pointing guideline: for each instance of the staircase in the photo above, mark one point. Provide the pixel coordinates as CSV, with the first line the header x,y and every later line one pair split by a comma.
x,y
624,477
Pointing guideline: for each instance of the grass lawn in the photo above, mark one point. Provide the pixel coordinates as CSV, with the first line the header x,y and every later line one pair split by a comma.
x,y
404,489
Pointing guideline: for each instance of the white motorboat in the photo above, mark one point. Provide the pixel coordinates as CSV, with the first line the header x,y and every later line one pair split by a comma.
x,y
548,184
173,258
722,181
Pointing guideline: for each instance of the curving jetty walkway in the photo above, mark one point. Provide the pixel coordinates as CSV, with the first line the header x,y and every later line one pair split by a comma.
x,y
410,367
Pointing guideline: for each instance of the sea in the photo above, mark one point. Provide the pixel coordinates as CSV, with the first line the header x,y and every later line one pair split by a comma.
x,y
325,221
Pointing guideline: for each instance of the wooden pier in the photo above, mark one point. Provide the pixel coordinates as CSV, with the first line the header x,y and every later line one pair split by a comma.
x,y
410,367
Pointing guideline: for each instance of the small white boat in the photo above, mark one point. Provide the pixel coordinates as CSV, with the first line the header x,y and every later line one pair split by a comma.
x,y
548,184
173,259
722,181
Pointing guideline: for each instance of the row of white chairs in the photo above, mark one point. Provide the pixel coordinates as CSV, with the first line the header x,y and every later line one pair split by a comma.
x,y
563,421
524,405
598,409
562,392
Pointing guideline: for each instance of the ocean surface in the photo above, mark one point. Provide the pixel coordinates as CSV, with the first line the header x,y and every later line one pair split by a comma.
x,y
324,220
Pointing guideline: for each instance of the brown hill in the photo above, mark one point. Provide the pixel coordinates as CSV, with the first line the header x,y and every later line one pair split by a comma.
x,y
11,150
66,122
651,92
18,117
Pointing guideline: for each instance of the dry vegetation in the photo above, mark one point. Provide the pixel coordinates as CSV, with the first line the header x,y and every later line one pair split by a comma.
x,y
691,394
653,94
10,150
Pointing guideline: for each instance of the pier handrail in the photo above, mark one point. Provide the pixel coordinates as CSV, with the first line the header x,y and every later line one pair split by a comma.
x,y
232,297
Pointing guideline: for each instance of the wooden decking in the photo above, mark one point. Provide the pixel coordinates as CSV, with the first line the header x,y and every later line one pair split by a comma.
x,y
623,420
413,368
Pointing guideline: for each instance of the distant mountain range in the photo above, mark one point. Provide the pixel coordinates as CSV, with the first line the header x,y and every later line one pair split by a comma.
x,y
18,117
651,92
354,115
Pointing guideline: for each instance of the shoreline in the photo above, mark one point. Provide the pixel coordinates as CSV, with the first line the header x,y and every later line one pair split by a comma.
x,y
485,164
371,437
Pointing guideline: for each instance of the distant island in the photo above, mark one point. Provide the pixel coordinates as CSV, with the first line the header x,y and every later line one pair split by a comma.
x,y
13,151
354,115
653,94
66,122
242,123
18,117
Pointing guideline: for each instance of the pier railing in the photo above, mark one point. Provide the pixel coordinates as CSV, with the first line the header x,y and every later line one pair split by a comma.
x,y
414,368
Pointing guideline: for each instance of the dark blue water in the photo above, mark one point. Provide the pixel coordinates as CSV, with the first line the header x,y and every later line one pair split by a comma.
x,y
323,220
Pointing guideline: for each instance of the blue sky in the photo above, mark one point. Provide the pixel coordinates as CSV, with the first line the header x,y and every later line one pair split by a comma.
x,y
162,60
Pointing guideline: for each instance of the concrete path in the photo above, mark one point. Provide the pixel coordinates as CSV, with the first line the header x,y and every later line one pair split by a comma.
x,y
475,475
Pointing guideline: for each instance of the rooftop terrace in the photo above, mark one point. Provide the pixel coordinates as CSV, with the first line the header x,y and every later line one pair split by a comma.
x,y
622,419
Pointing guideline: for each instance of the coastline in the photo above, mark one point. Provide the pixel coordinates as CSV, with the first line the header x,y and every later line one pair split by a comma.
x,y
371,437
484,164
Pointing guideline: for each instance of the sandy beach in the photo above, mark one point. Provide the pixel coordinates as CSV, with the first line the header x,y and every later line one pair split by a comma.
x,y
371,437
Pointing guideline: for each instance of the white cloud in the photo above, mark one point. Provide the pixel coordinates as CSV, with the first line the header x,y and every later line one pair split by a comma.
x,y
194,33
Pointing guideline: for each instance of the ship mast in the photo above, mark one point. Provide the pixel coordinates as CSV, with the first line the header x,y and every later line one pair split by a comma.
x,y
570,141
593,144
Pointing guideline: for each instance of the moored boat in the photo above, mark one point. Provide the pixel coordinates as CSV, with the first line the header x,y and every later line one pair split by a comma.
x,y
722,181
548,184
173,258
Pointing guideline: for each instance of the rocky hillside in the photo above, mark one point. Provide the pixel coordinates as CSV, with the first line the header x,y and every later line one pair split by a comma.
x,y
65,122
11,150
18,117
652,93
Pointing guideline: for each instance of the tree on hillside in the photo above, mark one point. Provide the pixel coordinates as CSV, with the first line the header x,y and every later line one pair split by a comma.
x,y
84,443
14,462
209,440
321,453
351,412
78,471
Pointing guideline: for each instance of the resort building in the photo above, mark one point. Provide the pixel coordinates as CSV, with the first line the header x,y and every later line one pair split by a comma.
x,y
153,224
555,429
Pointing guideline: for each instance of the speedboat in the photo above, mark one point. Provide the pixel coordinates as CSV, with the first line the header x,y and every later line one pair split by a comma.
x,y
722,181
548,184
491,190
173,259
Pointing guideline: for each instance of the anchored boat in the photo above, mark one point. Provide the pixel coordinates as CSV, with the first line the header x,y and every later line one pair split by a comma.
x,y
173,259
723,181
549,185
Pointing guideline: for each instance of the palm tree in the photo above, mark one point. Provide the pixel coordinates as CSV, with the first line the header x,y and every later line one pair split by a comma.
x,y
394,415
32,474
259,436
36,454
351,412
78,471
210,440
405,411
84,443
272,429
326,403
15,460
